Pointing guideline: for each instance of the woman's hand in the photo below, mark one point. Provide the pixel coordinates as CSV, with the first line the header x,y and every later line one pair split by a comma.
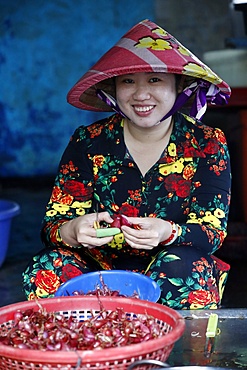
x,y
80,231
148,235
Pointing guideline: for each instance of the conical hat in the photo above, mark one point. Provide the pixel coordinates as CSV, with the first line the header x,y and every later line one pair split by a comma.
x,y
144,48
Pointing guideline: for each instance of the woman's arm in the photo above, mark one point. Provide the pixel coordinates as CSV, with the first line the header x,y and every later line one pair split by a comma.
x,y
72,194
208,209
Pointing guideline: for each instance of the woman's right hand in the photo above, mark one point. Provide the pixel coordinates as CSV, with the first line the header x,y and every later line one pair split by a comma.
x,y
81,232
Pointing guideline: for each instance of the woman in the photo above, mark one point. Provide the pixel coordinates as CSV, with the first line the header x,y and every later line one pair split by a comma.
x,y
163,173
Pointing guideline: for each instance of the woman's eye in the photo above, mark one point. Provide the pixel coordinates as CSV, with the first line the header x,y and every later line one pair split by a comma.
x,y
128,81
154,79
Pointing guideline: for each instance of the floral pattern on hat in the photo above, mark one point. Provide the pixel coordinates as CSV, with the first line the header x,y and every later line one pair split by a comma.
x,y
154,44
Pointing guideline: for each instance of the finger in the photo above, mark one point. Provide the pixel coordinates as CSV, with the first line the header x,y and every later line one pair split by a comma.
x,y
104,216
93,242
142,237
140,244
138,234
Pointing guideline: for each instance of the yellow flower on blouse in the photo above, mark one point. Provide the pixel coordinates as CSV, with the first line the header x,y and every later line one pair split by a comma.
x,y
219,213
172,150
77,204
193,219
175,167
51,213
61,208
211,219
80,207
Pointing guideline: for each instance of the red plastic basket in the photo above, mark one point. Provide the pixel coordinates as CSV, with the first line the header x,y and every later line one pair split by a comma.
x,y
170,321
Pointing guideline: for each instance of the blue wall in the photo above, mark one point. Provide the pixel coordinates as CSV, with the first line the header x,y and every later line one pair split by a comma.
x,y
45,47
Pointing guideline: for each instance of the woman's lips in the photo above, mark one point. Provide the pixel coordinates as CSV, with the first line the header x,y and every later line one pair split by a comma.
x,y
143,110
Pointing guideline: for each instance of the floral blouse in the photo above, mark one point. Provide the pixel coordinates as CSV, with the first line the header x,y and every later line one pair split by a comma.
x,y
189,184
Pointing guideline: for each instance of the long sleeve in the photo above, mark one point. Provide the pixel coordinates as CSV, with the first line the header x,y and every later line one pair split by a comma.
x,y
72,192
207,206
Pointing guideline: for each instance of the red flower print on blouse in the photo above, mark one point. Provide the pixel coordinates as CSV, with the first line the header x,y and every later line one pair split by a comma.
x,y
68,168
59,196
77,189
200,297
176,183
98,160
95,130
69,271
192,150
220,265
56,194
54,232
128,210
212,147
171,182
220,136
183,188
47,280
188,172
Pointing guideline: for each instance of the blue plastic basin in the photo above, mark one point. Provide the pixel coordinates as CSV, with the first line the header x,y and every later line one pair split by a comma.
x,y
127,283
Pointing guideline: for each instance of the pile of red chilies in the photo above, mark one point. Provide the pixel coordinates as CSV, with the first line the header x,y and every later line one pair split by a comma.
x,y
102,289
46,331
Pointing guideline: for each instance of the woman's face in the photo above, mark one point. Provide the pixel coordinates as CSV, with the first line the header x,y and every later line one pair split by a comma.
x,y
145,98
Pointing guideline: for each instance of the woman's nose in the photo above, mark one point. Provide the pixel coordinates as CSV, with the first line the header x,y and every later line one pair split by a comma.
x,y
141,93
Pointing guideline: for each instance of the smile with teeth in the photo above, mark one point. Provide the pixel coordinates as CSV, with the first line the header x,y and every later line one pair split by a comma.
x,y
143,109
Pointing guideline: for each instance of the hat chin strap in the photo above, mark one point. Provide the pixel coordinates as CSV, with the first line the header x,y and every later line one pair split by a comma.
x,y
109,100
204,92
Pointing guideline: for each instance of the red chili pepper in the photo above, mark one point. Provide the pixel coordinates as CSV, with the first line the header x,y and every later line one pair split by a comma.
x,y
50,331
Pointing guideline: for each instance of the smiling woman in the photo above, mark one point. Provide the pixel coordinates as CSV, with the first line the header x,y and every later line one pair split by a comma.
x,y
145,98
167,173
146,95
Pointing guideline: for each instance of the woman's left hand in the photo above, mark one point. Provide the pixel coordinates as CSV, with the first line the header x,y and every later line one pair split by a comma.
x,y
148,235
